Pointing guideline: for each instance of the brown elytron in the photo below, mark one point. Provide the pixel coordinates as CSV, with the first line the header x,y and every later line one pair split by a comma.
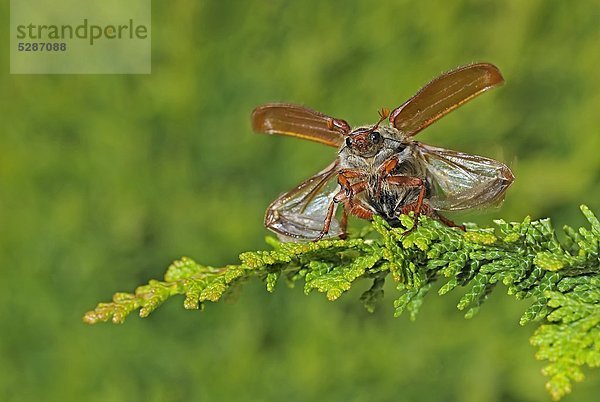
x,y
382,170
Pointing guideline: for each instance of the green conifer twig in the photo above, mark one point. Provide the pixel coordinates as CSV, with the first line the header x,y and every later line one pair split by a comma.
x,y
561,279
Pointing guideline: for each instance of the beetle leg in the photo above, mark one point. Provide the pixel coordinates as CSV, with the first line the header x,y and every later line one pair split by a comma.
x,y
344,223
344,195
357,208
448,222
384,172
417,206
344,176
428,211
328,218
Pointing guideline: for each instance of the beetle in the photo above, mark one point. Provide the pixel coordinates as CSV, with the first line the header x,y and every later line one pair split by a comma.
x,y
381,169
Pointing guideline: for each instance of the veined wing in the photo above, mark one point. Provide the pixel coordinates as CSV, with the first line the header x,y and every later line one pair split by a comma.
x,y
443,95
299,121
461,181
300,213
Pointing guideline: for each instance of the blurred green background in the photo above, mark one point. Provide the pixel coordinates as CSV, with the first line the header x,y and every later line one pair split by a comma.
x,y
104,180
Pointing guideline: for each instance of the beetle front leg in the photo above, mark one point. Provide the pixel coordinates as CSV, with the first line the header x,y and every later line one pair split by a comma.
x,y
384,171
344,177
345,196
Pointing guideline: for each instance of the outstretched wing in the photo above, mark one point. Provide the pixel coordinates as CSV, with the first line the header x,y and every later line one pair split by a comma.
x,y
299,121
300,213
462,181
443,95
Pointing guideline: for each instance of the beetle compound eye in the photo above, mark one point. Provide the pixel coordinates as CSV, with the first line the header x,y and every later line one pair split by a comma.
x,y
375,137
348,142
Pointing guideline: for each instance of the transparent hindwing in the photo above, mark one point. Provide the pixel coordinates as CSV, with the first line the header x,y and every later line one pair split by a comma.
x,y
462,181
300,213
